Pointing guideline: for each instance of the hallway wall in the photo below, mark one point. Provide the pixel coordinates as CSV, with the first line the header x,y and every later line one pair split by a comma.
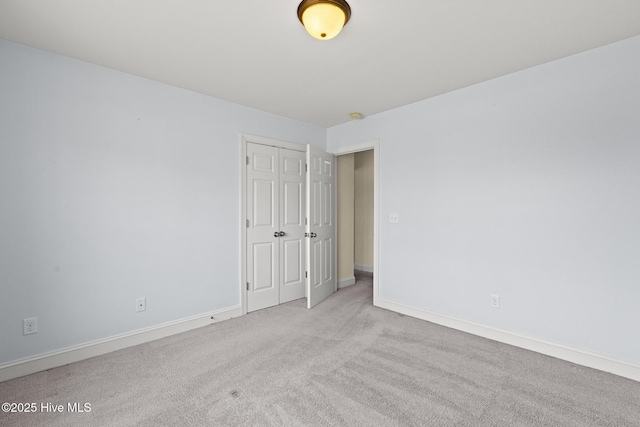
x,y
346,222
363,206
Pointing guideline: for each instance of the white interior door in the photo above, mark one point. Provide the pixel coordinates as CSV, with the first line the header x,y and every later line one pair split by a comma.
x,y
321,228
275,226
263,215
292,227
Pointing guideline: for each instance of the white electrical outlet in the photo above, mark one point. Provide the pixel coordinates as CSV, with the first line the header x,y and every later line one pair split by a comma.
x,y
30,326
495,301
394,218
141,304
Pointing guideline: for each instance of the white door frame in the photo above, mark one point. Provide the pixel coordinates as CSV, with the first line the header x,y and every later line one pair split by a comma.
x,y
244,139
355,148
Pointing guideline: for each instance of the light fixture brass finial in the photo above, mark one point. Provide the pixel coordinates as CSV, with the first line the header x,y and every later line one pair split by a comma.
x,y
324,19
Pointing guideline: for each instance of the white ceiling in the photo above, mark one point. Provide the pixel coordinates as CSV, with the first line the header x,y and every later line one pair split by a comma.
x,y
256,52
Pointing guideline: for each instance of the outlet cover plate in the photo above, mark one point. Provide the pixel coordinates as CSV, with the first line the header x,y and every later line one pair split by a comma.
x,y
495,301
30,326
141,304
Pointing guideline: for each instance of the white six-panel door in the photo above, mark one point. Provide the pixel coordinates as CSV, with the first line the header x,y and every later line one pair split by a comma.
x,y
263,274
275,226
292,227
321,229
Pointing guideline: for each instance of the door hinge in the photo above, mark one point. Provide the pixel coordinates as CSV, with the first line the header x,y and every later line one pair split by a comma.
x,y
247,223
305,168
306,274
305,221
247,285
247,160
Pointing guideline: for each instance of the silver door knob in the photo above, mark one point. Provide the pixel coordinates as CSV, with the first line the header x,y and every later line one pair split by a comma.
x,y
281,233
276,234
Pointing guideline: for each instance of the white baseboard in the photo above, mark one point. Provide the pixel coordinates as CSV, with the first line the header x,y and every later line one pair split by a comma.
x,y
559,351
346,282
68,355
365,268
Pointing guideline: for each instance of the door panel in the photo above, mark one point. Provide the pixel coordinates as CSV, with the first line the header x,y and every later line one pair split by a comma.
x,y
264,206
315,275
292,177
327,244
316,203
327,204
321,229
293,192
292,262
263,258
292,164
264,162
263,272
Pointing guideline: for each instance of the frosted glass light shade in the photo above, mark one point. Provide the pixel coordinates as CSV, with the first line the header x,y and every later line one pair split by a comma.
x,y
323,19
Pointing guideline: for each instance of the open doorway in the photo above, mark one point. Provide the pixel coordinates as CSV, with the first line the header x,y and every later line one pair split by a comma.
x,y
357,216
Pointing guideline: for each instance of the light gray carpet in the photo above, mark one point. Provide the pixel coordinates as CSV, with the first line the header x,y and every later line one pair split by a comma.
x,y
344,363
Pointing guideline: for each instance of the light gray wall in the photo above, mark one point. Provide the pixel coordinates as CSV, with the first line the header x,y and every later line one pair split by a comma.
x,y
346,214
526,186
112,188
363,206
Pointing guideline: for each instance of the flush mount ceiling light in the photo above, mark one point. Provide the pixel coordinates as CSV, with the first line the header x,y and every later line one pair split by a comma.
x,y
324,19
